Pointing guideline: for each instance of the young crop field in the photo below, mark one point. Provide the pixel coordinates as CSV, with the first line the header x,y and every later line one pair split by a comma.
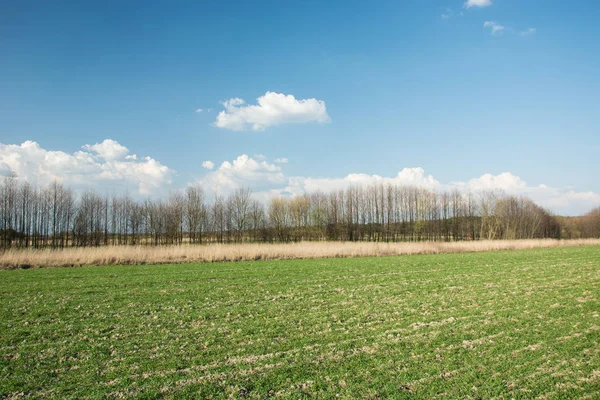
x,y
504,324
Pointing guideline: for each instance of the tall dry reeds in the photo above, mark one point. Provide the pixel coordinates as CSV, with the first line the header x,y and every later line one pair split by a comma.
x,y
133,255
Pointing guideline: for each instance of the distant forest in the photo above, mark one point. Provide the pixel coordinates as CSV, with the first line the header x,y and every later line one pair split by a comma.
x,y
55,217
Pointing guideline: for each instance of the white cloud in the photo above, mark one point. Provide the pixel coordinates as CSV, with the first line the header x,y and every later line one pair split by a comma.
x,y
281,160
269,180
272,109
199,110
407,177
5,169
107,166
495,27
528,32
243,171
477,3
102,164
108,149
505,181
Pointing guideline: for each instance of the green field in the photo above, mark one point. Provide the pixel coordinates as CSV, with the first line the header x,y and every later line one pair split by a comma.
x,y
511,324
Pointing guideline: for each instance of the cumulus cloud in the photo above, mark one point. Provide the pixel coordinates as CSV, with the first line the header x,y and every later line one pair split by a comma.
x,y
243,171
505,181
477,3
208,164
406,177
107,165
565,201
108,149
5,169
272,109
496,28
269,180
102,164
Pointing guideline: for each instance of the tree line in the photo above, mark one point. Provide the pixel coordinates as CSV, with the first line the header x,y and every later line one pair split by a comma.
x,y
54,216
586,226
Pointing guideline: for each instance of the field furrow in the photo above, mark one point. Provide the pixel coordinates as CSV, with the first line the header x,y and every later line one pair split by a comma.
x,y
509,324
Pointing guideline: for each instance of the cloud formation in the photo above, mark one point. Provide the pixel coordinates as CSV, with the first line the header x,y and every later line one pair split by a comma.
x,y
269,180
208,164
109,166
272,109
108,149
243,171
477,3
102,164
496,28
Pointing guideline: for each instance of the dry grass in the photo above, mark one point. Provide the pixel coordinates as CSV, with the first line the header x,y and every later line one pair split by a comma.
x,y
132,255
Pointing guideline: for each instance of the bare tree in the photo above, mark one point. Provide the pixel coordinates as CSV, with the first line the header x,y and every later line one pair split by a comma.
x,y
196,213
240,211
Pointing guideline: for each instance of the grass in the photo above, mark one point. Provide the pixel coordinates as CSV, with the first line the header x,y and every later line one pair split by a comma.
x,y
139,255
507,324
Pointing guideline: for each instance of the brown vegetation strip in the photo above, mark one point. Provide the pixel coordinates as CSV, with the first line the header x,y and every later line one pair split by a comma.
x,y
136,255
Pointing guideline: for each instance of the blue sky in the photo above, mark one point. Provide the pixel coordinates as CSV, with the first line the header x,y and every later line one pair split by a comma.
x,y
406,84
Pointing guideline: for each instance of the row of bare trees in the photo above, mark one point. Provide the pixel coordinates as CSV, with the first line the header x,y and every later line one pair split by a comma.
x,y
30,216
406,213
56,217
586,226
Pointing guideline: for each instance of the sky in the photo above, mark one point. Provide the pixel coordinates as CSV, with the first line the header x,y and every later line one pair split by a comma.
x,y
288,97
